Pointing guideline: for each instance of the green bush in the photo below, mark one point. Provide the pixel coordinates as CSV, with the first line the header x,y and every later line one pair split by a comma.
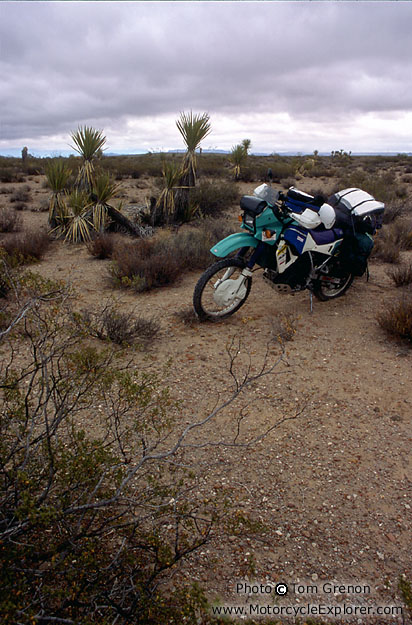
x,y
86,501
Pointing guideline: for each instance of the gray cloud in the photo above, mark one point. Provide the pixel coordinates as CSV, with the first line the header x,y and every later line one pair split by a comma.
x,y
65,64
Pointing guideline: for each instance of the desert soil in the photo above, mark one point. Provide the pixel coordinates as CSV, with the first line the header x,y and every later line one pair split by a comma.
x,y
332,487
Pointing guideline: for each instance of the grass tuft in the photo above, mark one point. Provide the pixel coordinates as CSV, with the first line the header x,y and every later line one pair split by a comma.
x,y
396,319
402,275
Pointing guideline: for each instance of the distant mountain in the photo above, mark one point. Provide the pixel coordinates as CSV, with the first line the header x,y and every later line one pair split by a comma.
x,y
16,152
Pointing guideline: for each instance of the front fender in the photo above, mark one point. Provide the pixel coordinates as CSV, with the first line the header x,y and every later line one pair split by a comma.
x,y
233,242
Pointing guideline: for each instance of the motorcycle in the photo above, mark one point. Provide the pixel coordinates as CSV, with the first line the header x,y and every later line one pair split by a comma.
x,y
299,240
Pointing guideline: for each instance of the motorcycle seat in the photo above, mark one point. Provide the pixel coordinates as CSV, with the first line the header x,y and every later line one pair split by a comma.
x,y
322,235
252,204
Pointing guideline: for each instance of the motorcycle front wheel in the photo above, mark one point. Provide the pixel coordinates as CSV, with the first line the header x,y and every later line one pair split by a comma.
x,y
331,286
221,290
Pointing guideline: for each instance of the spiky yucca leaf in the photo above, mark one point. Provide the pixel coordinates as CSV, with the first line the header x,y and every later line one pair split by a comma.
x,y
57,209
57,175
103,191
79,229
237,157
88,142
193,128
246,143
77,226
100,217
78,202
105,188
171,176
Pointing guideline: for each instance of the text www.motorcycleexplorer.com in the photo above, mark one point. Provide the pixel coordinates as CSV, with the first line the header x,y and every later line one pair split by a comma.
x,y
333,601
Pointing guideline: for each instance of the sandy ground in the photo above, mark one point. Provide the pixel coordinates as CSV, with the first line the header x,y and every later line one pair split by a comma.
x,y
332,488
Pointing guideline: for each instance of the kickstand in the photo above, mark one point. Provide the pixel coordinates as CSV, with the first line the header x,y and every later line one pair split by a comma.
x,y
311,301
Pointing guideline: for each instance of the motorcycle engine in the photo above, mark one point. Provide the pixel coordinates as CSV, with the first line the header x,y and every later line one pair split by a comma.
x,y
293,279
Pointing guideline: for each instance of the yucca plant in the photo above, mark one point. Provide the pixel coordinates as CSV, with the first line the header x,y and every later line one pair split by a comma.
x,y
165,205
246,143
89,143
77,215
103,191
193,128
57,174
78,225
237,158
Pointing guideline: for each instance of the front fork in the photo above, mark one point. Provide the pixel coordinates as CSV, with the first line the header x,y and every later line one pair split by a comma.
x,y
245,273
254,257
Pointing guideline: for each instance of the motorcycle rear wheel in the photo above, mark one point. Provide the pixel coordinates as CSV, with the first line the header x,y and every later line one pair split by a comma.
x,y
331,286
216,295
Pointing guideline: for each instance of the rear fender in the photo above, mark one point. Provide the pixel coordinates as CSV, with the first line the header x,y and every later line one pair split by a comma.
x,y
233,242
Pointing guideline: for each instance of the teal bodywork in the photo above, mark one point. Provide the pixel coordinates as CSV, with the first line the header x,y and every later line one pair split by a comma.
x,y
234,242
265,221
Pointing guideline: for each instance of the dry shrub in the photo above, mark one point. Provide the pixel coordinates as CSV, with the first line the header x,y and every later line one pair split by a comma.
x,y
143,266
396,320
21,195
146,264
393,210
402,276
384,250
27,246
102,246
125,329
191,248
122,328
393,239
401,234
10,221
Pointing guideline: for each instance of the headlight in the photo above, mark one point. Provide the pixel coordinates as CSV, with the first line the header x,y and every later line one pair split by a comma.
x,y
249,221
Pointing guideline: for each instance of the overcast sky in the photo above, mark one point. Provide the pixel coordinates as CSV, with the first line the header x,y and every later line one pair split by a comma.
x,y
290,76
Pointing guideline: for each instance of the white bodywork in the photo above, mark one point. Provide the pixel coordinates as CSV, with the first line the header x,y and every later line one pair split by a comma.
x,y
285,257
359,202
308,219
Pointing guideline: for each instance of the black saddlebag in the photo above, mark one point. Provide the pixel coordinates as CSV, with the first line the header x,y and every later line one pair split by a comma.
x,y
355,251
361,208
